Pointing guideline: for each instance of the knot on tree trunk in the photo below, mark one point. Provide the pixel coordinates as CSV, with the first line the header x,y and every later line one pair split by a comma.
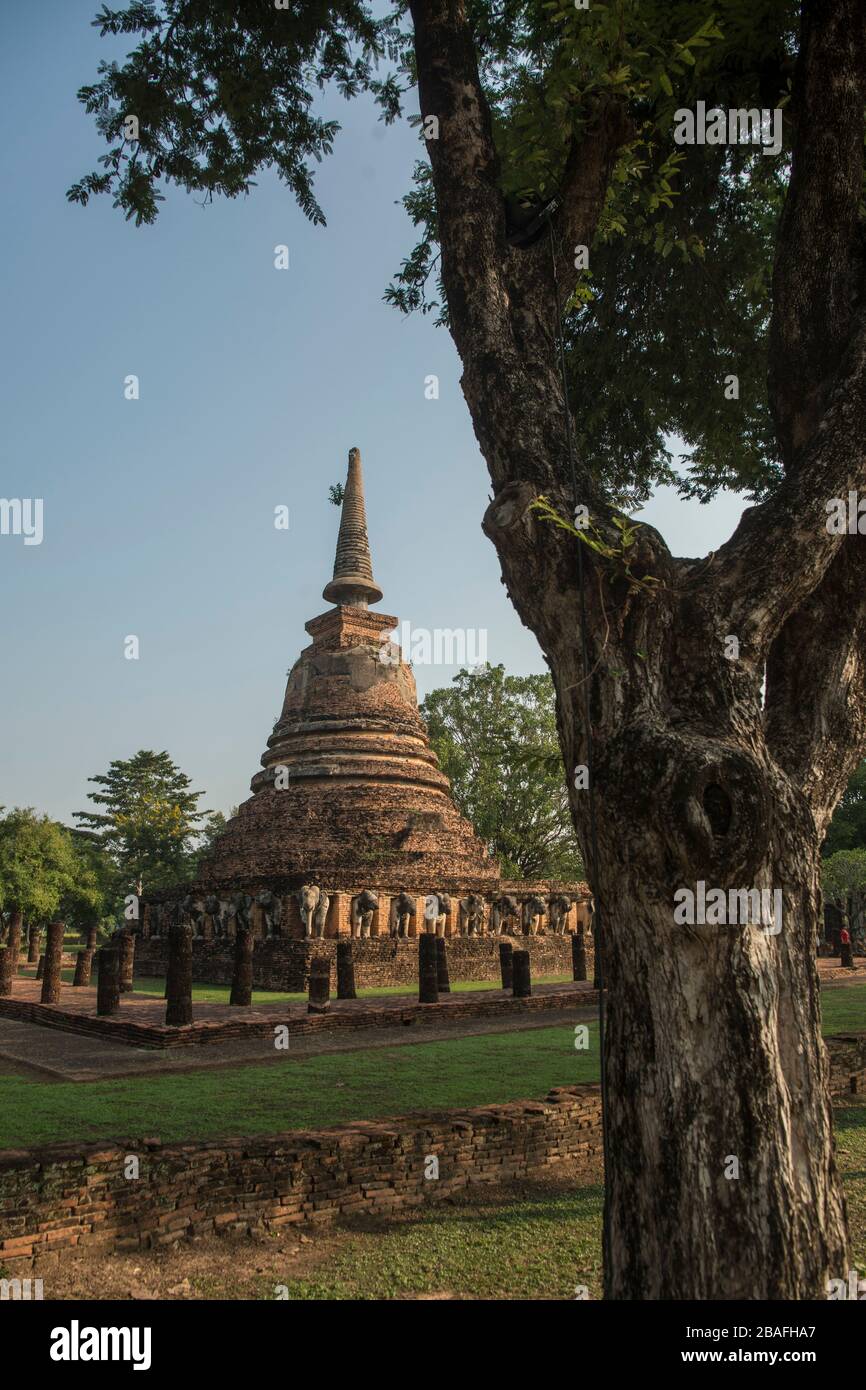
x,y
710,801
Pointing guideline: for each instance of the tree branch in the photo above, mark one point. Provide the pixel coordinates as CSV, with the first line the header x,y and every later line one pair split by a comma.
x,y
819,258
815,706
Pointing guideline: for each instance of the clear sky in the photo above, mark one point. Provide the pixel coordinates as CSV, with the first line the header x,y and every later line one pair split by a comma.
x,y
254,384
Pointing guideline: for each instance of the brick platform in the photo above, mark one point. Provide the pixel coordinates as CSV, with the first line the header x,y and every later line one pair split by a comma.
x,y
64,1196
140,1022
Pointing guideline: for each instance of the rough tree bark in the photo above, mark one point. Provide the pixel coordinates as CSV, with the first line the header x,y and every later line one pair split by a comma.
x,y
714,1046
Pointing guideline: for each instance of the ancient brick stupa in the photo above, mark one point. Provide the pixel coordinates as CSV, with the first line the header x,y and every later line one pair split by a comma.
x,y
351,794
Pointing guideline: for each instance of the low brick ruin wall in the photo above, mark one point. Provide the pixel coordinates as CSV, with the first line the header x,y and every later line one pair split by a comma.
x,y
282,964
60,1197
76,1196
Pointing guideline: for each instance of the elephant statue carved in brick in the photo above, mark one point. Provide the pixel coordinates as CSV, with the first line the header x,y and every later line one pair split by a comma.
x,y
402,913
505,917
472,915
534,908
558,908
272,912
313,903
364,906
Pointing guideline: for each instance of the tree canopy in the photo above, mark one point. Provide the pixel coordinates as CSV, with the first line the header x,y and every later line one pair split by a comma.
x,y
677,287
848,827
38,865
495,737
151,821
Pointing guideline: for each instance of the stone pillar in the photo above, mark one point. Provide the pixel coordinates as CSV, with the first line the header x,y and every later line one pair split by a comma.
x,y
108,981
178,989
379,924
126,946
83,968
506,964
442,978
34,935
319,997
40,969
242,978
345,970
522,975
90,944
428,970
9,957
578,954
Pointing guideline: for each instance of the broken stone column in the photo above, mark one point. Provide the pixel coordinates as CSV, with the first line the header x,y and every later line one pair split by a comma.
x,y
126,946
40,969
506,963
428,970
9,957
178,991
522,975
443,979
90,944
578,954
345,971
319,997
83,968
33,938
242,977
108,981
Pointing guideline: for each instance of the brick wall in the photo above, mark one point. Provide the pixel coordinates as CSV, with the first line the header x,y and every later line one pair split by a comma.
x,y
59,1197
282,964
63,1196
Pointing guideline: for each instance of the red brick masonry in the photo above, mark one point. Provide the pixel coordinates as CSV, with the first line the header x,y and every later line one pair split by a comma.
x,y
140,1021
60,1196
76,1195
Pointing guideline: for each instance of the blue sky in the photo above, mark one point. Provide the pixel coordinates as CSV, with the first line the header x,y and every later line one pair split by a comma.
x,y
254,384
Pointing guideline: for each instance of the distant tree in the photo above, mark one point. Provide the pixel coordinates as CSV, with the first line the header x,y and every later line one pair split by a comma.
x,y
210,832
150,823
495,737
848,826
843,879
37,865
336,493
95,895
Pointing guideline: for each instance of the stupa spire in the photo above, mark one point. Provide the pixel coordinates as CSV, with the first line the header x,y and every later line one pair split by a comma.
x,y
353,581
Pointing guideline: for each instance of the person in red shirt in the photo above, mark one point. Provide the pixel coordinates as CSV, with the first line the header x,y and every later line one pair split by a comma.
x,y
845,955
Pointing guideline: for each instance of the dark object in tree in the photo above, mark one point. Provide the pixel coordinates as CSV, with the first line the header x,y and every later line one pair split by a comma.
x,y
319,996
522,975
9,957
506,963
108,981
443,980
345,971
242,976
578,954
428,970
83,968
178,1000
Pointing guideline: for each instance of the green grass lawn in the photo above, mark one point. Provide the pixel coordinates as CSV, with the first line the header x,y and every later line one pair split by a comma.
x,y
305,1094
314,1092
844,1009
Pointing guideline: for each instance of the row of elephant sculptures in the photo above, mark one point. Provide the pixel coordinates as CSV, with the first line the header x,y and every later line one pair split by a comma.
x,y
507,913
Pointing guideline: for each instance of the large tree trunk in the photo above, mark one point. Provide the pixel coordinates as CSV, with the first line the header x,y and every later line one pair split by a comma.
x,y
721,1181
